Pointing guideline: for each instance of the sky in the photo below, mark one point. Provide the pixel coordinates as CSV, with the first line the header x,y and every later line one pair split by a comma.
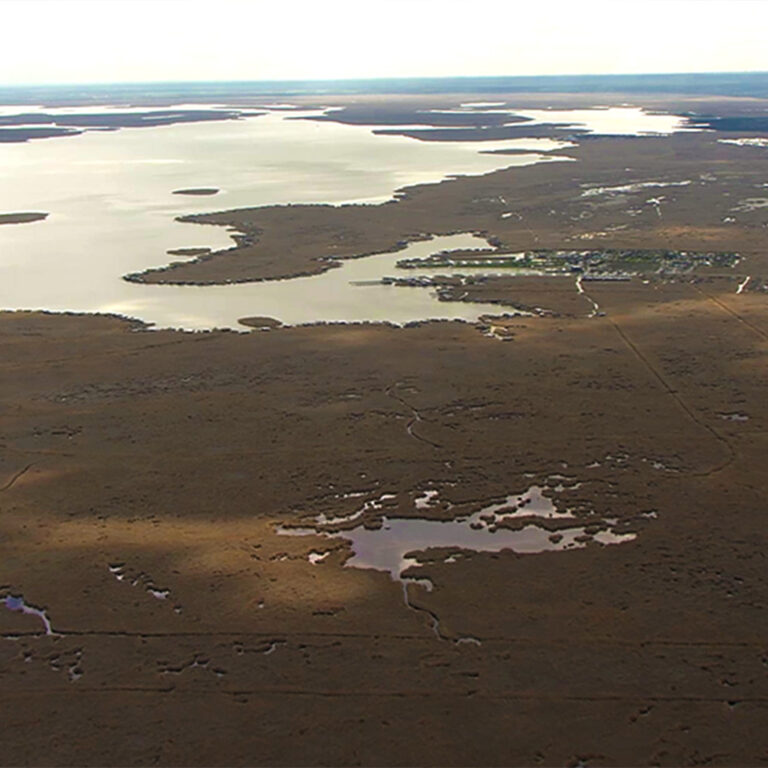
x,y
81,41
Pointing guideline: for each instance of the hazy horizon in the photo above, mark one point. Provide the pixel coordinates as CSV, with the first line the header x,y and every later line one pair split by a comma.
x,y
252,40
382,78
730,84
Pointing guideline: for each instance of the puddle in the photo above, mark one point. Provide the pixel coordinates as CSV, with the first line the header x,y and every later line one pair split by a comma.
x,y
750,204
16,603
532,503
388,543
468,641
428,499
141,580
368,506
198,661
660,465
73,665
501,332
736,416
266,648
117,571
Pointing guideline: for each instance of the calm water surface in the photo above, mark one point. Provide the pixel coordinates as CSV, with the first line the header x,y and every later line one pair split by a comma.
x,y
109,195
614,121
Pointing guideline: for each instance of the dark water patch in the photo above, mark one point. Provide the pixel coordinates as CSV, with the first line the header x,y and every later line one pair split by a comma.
x,y
17,603
747,123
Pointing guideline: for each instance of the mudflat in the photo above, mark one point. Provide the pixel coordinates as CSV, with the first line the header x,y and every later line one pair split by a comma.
x,y
149,481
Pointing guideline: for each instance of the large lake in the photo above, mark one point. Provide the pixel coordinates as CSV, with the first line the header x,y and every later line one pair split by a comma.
x,y
109,195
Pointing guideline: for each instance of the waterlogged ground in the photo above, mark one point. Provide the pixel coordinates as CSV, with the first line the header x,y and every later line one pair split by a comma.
x,y
387,542
543,552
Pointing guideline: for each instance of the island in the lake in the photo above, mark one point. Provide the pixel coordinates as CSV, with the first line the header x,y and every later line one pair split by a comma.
x,y
22,217
263,323
202,191
188,251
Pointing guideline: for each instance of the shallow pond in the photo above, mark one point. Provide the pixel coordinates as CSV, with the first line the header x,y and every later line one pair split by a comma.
x,y
385,542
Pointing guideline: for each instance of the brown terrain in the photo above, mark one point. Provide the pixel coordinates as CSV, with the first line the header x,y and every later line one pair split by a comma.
x,y
144,477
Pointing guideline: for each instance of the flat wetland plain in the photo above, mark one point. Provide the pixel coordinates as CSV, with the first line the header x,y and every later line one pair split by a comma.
x,y
150,480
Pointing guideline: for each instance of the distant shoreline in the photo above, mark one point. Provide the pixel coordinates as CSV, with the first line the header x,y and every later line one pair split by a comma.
x,y
751,84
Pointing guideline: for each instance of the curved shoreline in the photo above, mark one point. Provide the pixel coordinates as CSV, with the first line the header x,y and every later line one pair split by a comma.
x,y
537,206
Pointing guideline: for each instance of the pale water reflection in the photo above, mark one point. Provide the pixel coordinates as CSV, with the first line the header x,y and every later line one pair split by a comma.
x,y
386,542
112,208
624,120
349,293
392,546
615,121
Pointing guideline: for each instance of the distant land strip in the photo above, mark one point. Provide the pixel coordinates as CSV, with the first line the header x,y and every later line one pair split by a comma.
x,y
22,218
